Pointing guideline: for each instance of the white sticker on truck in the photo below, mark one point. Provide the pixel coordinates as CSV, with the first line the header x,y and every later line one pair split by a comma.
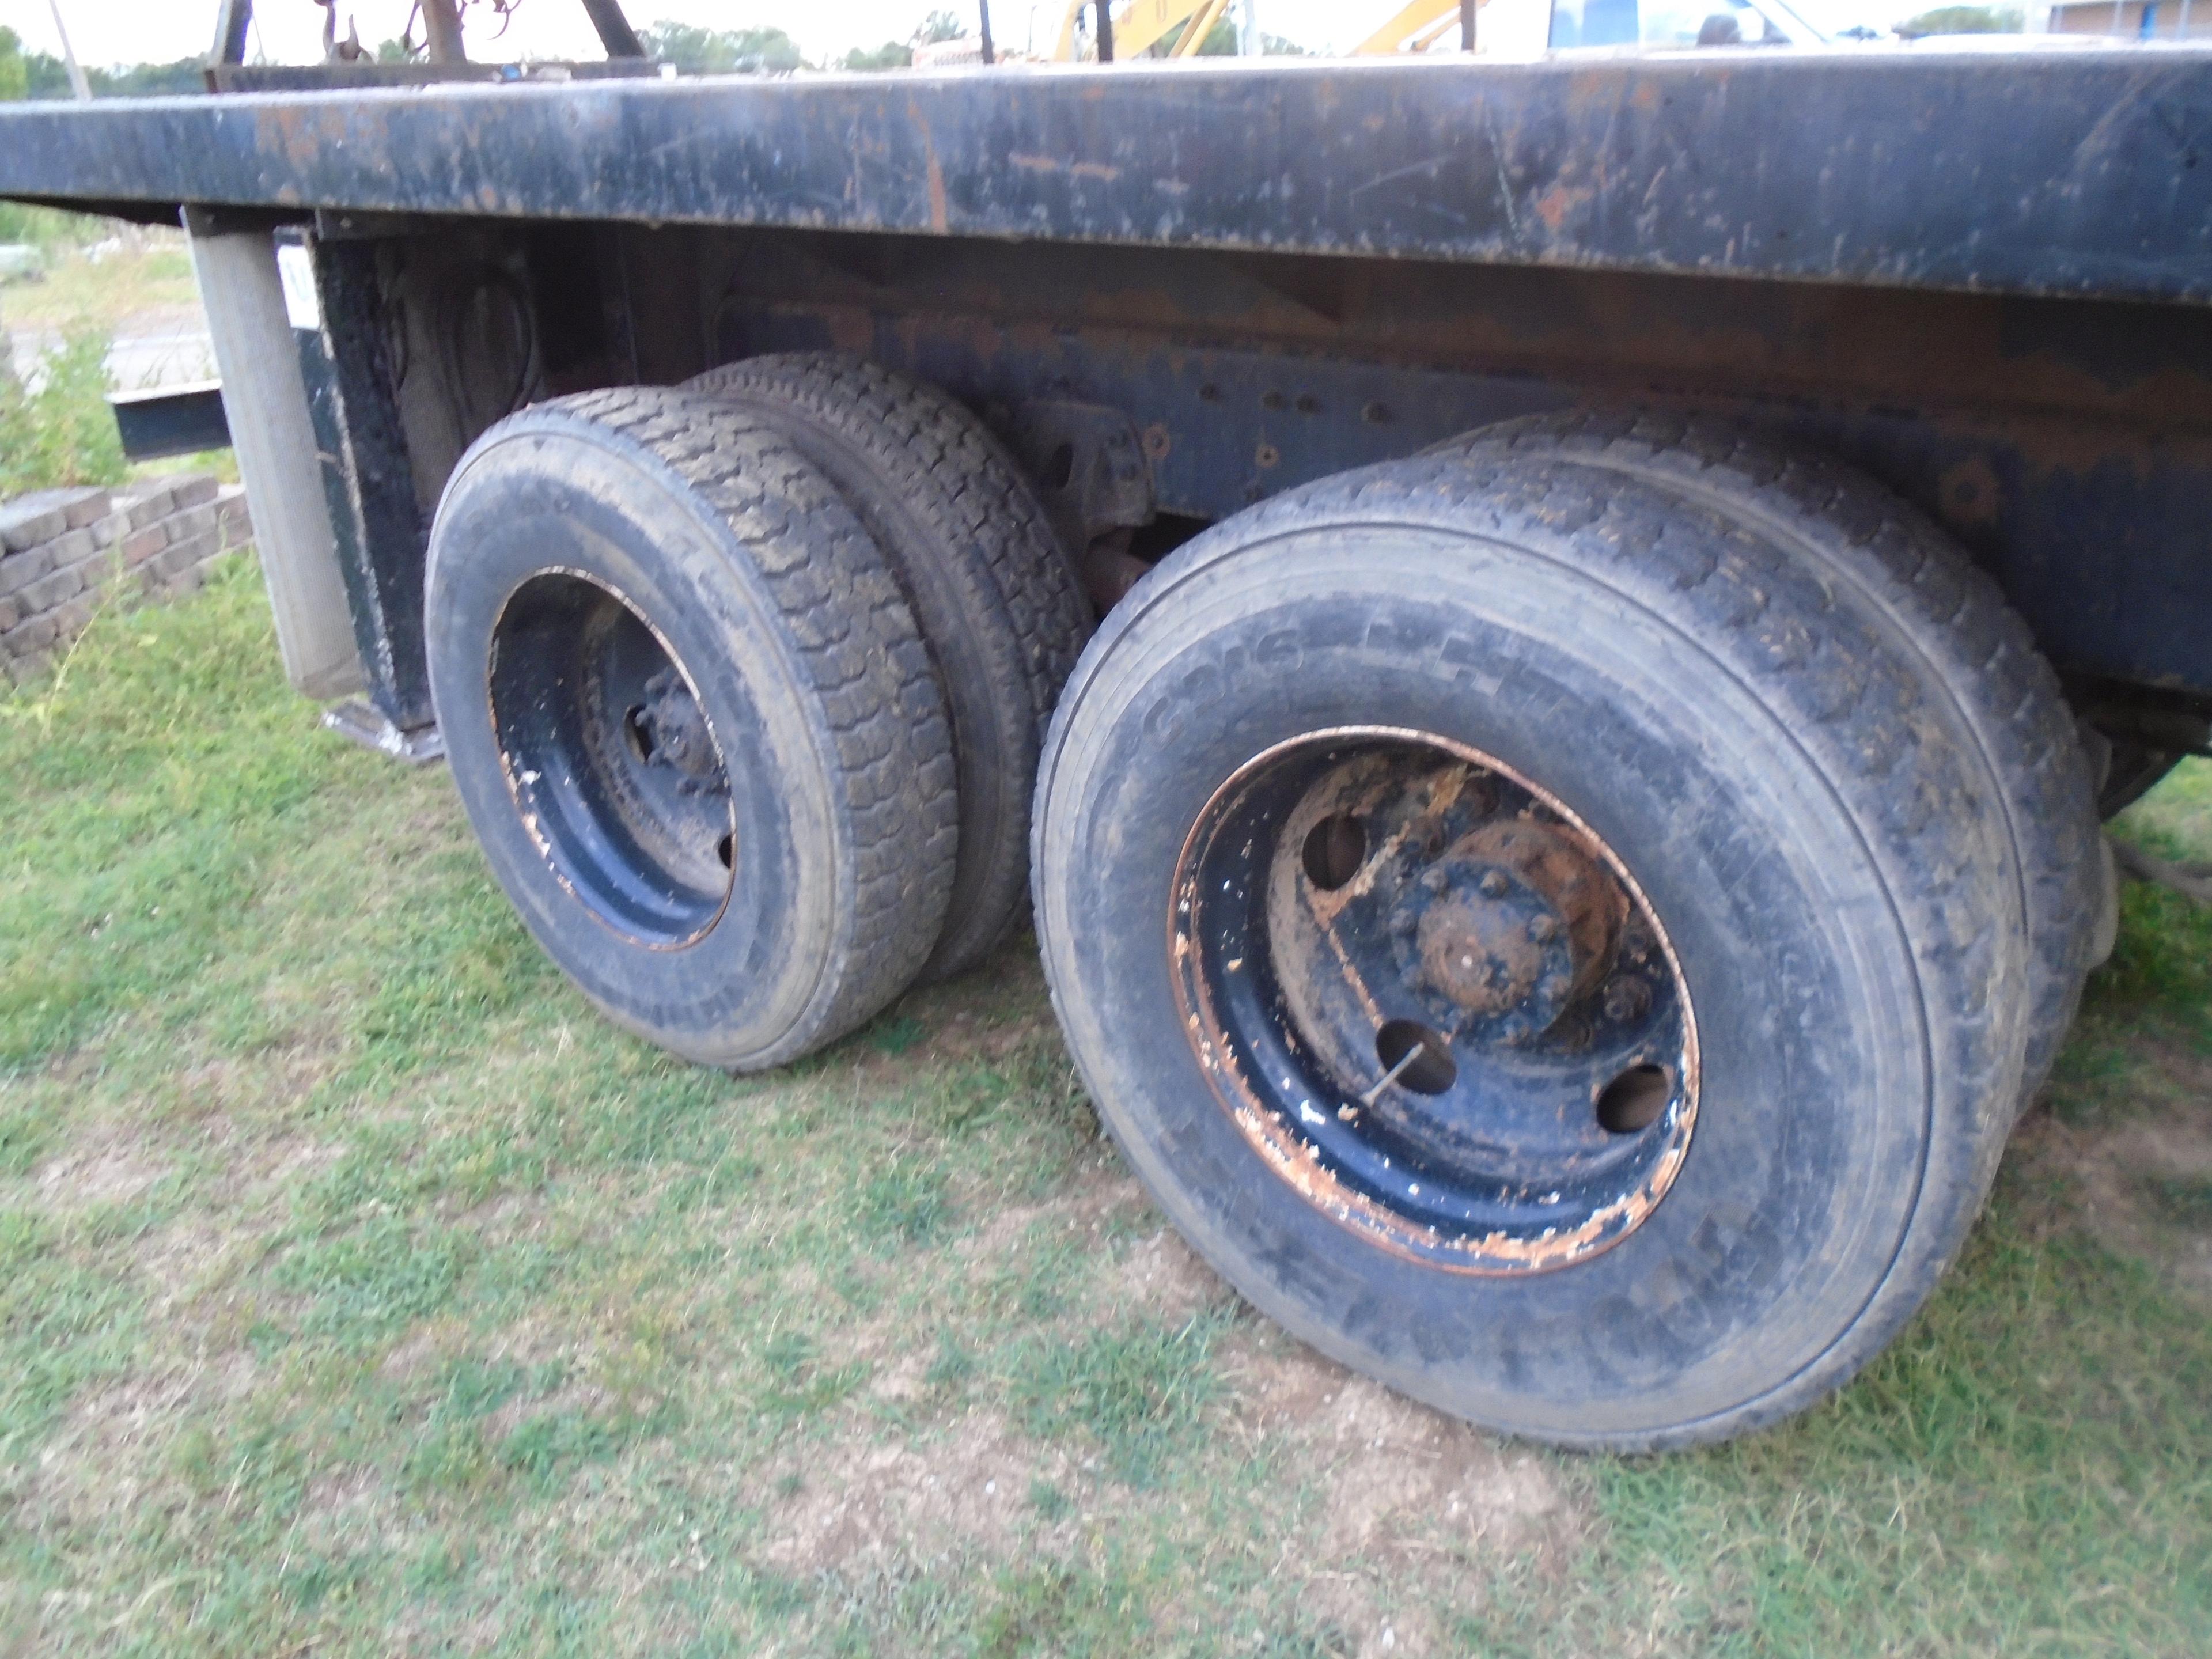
x,y
297,270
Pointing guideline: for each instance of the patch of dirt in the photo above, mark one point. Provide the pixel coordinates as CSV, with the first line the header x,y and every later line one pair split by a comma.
x,y
2115,1173
1085,1204
107,1461
289,1164
112,1174
903,1380
1376,1622
1407,1491
180,1260
348,1508
915,1499
1163,1276
225,1087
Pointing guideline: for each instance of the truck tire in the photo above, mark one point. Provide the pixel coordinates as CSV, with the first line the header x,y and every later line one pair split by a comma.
x,y
1845,527
692,722
989,584
1543,942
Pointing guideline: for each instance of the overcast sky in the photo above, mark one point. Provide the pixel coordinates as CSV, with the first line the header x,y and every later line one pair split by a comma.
x,y
110,32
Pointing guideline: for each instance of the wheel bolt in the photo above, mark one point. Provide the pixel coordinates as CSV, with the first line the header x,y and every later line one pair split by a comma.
x,y
1432,881
1493,884
1544,929
1626,1000
1403,924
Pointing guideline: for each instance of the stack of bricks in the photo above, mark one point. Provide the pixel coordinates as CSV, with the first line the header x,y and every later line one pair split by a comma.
x,y
64,553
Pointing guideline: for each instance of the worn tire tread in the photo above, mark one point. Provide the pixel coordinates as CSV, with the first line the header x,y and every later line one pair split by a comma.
x,y
1022,604
886,741
1954,617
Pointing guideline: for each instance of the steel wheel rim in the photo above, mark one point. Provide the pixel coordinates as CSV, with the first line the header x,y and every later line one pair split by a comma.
x,y
1433,1000
611,760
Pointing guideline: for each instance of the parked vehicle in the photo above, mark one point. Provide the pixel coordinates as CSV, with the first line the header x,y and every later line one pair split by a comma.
x,y
1622,581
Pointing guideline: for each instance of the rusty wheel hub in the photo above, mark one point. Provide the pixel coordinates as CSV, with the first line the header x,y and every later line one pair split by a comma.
x,y
600,731
1504,930
1435,1000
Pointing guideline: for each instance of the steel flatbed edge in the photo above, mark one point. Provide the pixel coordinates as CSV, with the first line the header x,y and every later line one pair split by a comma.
x,y
2084,172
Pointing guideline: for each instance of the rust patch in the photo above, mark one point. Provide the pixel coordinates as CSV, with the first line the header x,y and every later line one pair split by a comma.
x,y
940,217
1969,493
1283,1144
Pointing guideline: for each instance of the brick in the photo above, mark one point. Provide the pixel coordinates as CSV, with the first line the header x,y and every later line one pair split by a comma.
x,y
87,505
70,620
24,523
20,570
45,513
107,532
195,489
73,547
180,556
34,665
96,574
9,616
238,533
141,545
49,591
186,581
192,521
230,502
154,503
25,637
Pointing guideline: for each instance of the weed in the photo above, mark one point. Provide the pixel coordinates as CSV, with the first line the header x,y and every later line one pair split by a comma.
x,y
1048,1500
63,432
1140,1388
2183,1200
904,1205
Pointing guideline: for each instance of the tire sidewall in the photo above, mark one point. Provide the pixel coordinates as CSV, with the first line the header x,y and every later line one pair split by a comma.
x,y
549,492
1820,1091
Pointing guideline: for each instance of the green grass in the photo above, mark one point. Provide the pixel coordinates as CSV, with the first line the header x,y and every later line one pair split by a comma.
x,y
147,279
361,1291
64,433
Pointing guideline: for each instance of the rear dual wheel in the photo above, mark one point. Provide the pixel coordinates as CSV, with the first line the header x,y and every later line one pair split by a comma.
x,y
993,594
1564,936
743,769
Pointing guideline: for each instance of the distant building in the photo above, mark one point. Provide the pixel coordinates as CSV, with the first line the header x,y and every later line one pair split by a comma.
x,y
2129,20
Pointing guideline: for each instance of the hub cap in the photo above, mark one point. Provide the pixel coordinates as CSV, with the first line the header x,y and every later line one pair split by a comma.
x,y
1434,1000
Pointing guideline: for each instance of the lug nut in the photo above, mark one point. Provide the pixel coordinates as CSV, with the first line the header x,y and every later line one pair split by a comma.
x,y
1544,929
1493,884
1432,881
1626,1000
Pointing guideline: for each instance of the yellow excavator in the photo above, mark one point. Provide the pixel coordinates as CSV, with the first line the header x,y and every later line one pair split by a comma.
x,y
1141,25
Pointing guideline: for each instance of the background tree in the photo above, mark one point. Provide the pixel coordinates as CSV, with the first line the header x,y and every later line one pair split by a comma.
x,y
940,26
892,54
15,83
722,52
14,73
1964,20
